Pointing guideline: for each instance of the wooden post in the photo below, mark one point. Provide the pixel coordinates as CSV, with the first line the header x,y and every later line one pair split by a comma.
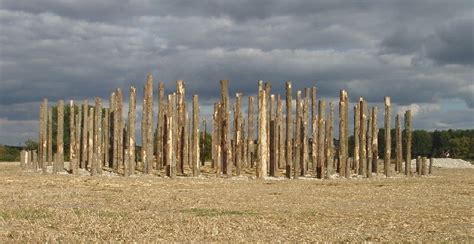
x,y
368,167
388,139
215,137
106,137
375,141
120,127
170,131
298,135
289,131
202,142
90,140
59,139
34,159
262,135
23,159
98,135
314,129
430,169
398,135
147,131
418,165
78,139
423,165
305,158
218,144
224,123
273,149
356,139
321,136
363,131
42,145
238,132
251,132
195,146
281,141
329,142
408,143
343,148
50,137
159,126
129,168
72,137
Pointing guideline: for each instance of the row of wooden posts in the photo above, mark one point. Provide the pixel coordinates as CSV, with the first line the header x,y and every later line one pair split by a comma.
x,y
101,139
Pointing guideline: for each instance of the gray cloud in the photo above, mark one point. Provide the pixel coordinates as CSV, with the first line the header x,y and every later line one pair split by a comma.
x,y
417,52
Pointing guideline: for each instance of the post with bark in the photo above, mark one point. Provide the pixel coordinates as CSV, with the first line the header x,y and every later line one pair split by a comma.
x,y
430,168
218,144
408,143
329,142
321,137
42,146
273,148
169,131
343,148
314,129
281,141
356,138
120,127
98,127
375,141
59,165
72,137
418,165
368,145
362,162
289,131
423,165
238,133
250,133
78,139
129,168
297,139
106,137
147,120
398,135
195,143
388,141
305,127
262,159
50,136
214,140
90,141
224,123
181,124
159,126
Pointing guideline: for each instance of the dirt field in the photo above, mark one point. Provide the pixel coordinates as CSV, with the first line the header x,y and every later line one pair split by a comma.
x,y
35,207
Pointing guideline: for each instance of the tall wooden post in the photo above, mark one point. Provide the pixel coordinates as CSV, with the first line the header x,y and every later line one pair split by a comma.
x,y
418,165
251,132
78,122
218,144
106,137
273,148
114,130
72,136
329,142
369,144
298,141
195,146
280,140
98,136
262,160
90,140
398,135
305,158
169,131
321,137
388,141
42,147
215,137
356,138
224,123
147,132
363,130
408,143
343,148
314,129
159,126
430,168
375,141
181,123
423,165
59,166
289,131
238,132
50,136
129,168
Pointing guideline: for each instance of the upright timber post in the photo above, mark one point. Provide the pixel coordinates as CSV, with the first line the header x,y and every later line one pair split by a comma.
x,y
147,121
423,165
181,123
214,136
60,137
408,143
363,128
42,147
343,148
78,125
119,120
130,165
251,132
375,141
368,144
218,143
289,131
159,126
262,159
72,137
430,168
224,133
169,131
106,137
238,133
305,126
281,143
398,135
321,137
329,142
195,146
98,135
356,138
50,136
273,149
90,141
314,128
388,141
297,147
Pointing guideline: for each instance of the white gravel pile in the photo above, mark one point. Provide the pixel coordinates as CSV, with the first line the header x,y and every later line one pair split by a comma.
x,y
447,163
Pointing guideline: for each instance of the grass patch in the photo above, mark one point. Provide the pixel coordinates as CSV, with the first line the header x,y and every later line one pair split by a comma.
x,y
26,214
212,212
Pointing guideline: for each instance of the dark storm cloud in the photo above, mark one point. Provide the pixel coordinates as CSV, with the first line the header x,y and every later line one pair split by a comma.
x,y
417,52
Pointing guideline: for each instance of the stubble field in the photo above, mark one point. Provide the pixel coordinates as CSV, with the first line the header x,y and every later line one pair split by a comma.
x,y
38,208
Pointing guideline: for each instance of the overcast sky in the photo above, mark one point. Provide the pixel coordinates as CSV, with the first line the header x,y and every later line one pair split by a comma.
x,y
420,53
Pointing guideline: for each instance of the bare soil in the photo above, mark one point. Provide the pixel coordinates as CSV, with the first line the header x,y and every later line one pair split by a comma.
x,y
39,208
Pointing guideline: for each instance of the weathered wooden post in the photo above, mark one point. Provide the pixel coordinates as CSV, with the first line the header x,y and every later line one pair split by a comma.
x,y
72,136
181,123
369,146
375,141
418,165
42,146
218,145
215,137
281,141
273,149
321,137
34,159
238,133
23,159
363,137
408,143
356,138
90,140
159,126
59,163
423,165
305,158
169,131
398,135
98,135
120,127
106,137
289,131
202,142
78,132
343,148
329,142
114,130
314,129
50,137
224,133
430,169
297,147
388,139
262,160
251,132
147,124
195,146
129,168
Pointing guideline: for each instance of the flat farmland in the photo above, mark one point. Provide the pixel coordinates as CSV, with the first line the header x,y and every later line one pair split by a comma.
x,y
39,208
